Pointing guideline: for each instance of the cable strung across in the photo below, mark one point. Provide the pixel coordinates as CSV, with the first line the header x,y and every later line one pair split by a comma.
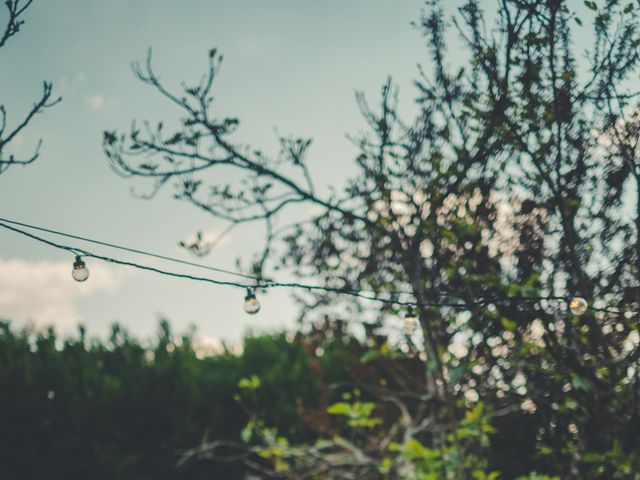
x,y
260,283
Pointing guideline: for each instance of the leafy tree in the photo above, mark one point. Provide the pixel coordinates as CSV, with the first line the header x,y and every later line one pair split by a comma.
x,y
15,12
519,177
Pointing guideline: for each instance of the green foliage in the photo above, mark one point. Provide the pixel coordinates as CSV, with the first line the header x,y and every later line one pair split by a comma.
x,y
460,457
251,383
358,413
121,409
382,351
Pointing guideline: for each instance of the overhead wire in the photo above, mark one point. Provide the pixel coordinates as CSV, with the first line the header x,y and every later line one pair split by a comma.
x,y
126,249
257,282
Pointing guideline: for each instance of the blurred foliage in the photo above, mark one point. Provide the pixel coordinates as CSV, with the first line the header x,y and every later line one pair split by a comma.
x,y
79,408
288,405
363,426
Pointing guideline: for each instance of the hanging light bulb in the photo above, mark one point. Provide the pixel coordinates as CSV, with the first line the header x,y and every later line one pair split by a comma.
x,y
578,306
80,271
251,303
410,321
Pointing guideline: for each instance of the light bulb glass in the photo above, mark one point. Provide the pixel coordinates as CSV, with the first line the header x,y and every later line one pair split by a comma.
x,y
578,306
80,271
251,304
410,322
410,325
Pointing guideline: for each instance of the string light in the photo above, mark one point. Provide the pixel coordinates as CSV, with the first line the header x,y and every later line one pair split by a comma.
x,y
80,272
410,321
251,303
121,247
578,306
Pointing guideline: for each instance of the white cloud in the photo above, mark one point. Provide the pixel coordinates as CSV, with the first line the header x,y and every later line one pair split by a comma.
x,y
44,293
99,102
95,102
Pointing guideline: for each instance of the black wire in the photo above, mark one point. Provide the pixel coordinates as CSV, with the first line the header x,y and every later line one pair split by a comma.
x,y
260,283
85,253
256,279
128,249
265,284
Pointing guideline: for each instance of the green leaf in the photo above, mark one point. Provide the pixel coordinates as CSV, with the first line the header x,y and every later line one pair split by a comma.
x,y
247,432
580,383
251,383
369,356
474,414
281,465
340,408
508,324
591,5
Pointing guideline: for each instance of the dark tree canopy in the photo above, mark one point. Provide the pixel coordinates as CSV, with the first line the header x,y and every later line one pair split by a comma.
x,y
15,11
519,177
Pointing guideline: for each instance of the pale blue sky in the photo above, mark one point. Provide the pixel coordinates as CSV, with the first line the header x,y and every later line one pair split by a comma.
x,y
290,64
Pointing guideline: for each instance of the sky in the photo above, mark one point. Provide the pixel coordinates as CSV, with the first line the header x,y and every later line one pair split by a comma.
x,y
293,65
